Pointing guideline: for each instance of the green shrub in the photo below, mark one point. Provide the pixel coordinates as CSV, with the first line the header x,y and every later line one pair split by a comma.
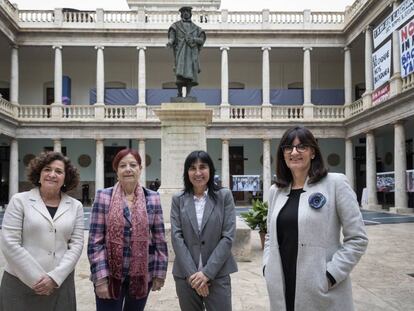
x,y
256,217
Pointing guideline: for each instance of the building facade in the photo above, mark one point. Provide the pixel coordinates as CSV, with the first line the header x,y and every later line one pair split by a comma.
x,y
87,82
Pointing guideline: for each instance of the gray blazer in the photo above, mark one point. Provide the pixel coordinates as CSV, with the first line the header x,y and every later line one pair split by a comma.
x,y
320,247
213,241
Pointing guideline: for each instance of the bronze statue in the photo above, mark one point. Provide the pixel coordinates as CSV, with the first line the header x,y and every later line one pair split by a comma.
x,y
186,39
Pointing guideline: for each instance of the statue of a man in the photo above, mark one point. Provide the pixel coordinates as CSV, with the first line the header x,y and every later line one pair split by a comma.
x,y
186,39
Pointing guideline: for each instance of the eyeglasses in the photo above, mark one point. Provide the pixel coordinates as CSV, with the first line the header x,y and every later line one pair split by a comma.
x,y
299,148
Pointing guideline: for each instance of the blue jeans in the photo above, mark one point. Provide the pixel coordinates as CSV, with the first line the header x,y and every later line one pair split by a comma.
x,y
124,303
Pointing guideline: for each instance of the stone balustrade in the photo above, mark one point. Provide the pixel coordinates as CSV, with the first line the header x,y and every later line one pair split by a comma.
x,y
352,10
334,113
125,113
408,82
6,107
162,19
287,112
9,8
356,107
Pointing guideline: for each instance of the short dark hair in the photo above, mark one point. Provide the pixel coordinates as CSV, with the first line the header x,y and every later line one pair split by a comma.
x,y
45,158
122,153
317,169
206,159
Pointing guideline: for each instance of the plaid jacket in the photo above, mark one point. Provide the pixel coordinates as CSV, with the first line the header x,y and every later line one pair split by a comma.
x,y
158,255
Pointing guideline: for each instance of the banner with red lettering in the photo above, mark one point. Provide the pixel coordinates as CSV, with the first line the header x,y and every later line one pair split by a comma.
x,y
407,49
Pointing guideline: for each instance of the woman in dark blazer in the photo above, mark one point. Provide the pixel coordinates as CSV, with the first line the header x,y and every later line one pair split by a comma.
x,y
203,225
306,263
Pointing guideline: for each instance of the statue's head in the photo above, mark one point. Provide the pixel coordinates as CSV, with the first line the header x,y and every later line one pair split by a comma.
x,y
186,13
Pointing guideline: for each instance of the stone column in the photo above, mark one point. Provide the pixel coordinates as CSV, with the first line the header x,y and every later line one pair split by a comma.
x,y
349,162
99,165
371,162
100,75
307,83
224,76
58,75
57,145
267,176
266,76
366,97
347,75
225,166
14,75
141,150
400,167
14,168
141,75
395,81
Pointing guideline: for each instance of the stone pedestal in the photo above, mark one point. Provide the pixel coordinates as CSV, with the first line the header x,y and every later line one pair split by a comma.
x,y
183,130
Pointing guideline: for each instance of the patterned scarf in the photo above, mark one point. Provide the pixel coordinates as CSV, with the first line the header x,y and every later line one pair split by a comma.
x,y
138,266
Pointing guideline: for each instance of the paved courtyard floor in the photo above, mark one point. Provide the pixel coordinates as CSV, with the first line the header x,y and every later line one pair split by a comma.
x,y
381,281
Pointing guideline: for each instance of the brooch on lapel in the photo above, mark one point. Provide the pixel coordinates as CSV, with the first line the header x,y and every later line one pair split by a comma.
x,y
317,200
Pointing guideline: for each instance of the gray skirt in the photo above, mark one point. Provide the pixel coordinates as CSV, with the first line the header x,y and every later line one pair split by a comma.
x,y
17,296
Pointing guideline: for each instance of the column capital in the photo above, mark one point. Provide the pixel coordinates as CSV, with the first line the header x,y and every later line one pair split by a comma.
x,y
347,48
369,28
225,140
99,139
307,48
398,122
142,140
57,47
14,46
99,47
266,139
141,48
224,48
266,48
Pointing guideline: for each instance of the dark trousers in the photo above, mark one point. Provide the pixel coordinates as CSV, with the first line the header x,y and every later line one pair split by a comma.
x,y
124,303
219,298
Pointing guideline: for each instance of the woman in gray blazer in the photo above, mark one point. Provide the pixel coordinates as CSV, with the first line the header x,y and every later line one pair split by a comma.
x,y
42,239
306,263
203,225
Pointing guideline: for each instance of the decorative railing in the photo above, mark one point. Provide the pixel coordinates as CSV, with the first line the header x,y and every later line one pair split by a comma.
x,y
9,8
327,17
78,112
31,16
333,113
146,113
244,17
354,8
120,17
84,17
356,107
130,19
245,112
408,82
286,17
287,112
150,112
33,112
120,112
6,107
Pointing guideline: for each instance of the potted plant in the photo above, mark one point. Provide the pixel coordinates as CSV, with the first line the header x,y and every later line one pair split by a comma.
x,y
256,218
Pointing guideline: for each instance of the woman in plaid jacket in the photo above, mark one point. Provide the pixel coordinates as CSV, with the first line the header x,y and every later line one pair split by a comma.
x,y
127,248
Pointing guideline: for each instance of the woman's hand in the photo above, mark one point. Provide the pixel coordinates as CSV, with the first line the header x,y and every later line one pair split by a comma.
x,y
203,291
157,283
102,290
45,286
198,280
